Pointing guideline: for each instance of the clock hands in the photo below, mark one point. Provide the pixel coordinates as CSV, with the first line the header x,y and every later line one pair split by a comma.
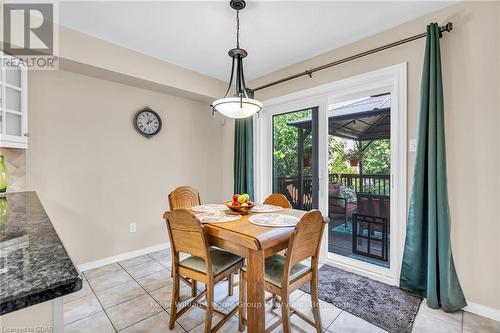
x,y
150,119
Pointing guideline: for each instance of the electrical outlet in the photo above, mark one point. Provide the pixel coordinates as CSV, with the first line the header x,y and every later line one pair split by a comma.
x,y
133,227
413,145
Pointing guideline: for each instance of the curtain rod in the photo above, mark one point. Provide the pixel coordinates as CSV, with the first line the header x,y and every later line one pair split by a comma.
x,y
445,28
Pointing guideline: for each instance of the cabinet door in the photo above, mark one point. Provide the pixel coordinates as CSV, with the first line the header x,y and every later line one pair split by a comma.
x,y
14,106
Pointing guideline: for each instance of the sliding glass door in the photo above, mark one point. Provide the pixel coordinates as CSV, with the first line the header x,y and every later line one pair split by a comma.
x,y
341,148
355,172
295,157
359,173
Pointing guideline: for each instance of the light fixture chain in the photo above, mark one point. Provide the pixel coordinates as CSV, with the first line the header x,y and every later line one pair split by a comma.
x,y
241,104
238,29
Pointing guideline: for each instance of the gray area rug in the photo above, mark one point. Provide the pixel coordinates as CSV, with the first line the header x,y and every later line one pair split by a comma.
x,y
387,307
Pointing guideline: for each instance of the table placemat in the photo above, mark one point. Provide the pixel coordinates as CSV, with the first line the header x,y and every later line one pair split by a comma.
x,y
266,209
274,220
220,217
207,208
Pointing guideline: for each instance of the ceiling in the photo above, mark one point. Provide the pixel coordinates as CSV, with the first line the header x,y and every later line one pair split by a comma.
x,y
197,35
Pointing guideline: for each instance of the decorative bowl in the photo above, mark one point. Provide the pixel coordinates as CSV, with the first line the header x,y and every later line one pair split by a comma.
x,y
242,210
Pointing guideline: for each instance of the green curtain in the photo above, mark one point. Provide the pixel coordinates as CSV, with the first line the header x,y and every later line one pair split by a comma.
x,y
243,156
428,267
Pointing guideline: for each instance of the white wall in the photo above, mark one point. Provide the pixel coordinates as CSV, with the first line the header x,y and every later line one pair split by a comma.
x,y
95,174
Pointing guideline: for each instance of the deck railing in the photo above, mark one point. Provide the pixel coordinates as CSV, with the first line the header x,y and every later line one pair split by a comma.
x,y
290,187
374,184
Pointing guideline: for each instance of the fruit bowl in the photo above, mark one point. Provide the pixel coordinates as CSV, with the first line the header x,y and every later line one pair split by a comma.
x,y
242,210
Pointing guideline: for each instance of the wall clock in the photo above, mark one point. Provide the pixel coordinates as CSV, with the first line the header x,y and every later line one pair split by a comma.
x,y
147,122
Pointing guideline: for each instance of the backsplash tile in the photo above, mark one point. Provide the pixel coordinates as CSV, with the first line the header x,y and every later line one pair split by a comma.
x,y
16,164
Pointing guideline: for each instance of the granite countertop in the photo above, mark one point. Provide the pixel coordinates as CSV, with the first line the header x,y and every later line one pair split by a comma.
x,y
34,265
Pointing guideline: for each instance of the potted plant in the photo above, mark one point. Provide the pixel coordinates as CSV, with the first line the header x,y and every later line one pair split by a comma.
x,y
354,155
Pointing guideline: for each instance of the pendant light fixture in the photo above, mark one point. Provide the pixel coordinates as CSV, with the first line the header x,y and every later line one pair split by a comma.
x,y
239,104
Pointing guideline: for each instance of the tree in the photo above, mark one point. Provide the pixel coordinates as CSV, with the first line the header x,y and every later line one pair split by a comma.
x,y
377,158
337,162
285,139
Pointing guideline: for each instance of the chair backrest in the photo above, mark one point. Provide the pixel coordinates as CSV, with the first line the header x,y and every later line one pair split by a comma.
x,y
305,241
373,205
184,197
278,199
186,234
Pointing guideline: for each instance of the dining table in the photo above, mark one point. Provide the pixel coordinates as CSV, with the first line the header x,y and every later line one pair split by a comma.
x,y
255,243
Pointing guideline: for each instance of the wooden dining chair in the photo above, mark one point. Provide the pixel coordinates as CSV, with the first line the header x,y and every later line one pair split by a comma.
x,y
206,264
184,197
285,274
278,199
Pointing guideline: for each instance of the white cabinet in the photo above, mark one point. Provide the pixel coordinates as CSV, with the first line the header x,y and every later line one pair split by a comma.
x,y
13,105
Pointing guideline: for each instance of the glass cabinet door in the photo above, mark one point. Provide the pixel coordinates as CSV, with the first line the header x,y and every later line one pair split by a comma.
x,y
13,124
13,76
13,109
12,99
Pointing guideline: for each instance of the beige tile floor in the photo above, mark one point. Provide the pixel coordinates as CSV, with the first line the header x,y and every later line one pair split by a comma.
x,y
134,296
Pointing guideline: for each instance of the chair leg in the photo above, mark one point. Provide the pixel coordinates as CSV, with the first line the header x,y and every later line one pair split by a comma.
x,y
315,304
285,318
194,288
230,280
275,301
210,307
242,301
175,300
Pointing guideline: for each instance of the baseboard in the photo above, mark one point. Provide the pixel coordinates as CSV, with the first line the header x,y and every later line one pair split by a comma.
x,y
482,310
122,256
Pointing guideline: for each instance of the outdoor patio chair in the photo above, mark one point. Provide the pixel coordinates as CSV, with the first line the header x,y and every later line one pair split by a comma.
x,y
339,205
371,223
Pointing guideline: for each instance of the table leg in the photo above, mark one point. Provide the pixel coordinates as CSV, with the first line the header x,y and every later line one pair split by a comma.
x,y
255,292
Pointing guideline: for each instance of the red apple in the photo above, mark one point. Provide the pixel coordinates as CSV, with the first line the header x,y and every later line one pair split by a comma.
x,y
236,204
235,197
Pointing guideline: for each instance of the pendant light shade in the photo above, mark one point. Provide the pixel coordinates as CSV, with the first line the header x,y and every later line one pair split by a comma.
x,y
236,107
238,102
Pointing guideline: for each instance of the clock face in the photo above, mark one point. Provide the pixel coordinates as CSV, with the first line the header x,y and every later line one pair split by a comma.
x,y
147,122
